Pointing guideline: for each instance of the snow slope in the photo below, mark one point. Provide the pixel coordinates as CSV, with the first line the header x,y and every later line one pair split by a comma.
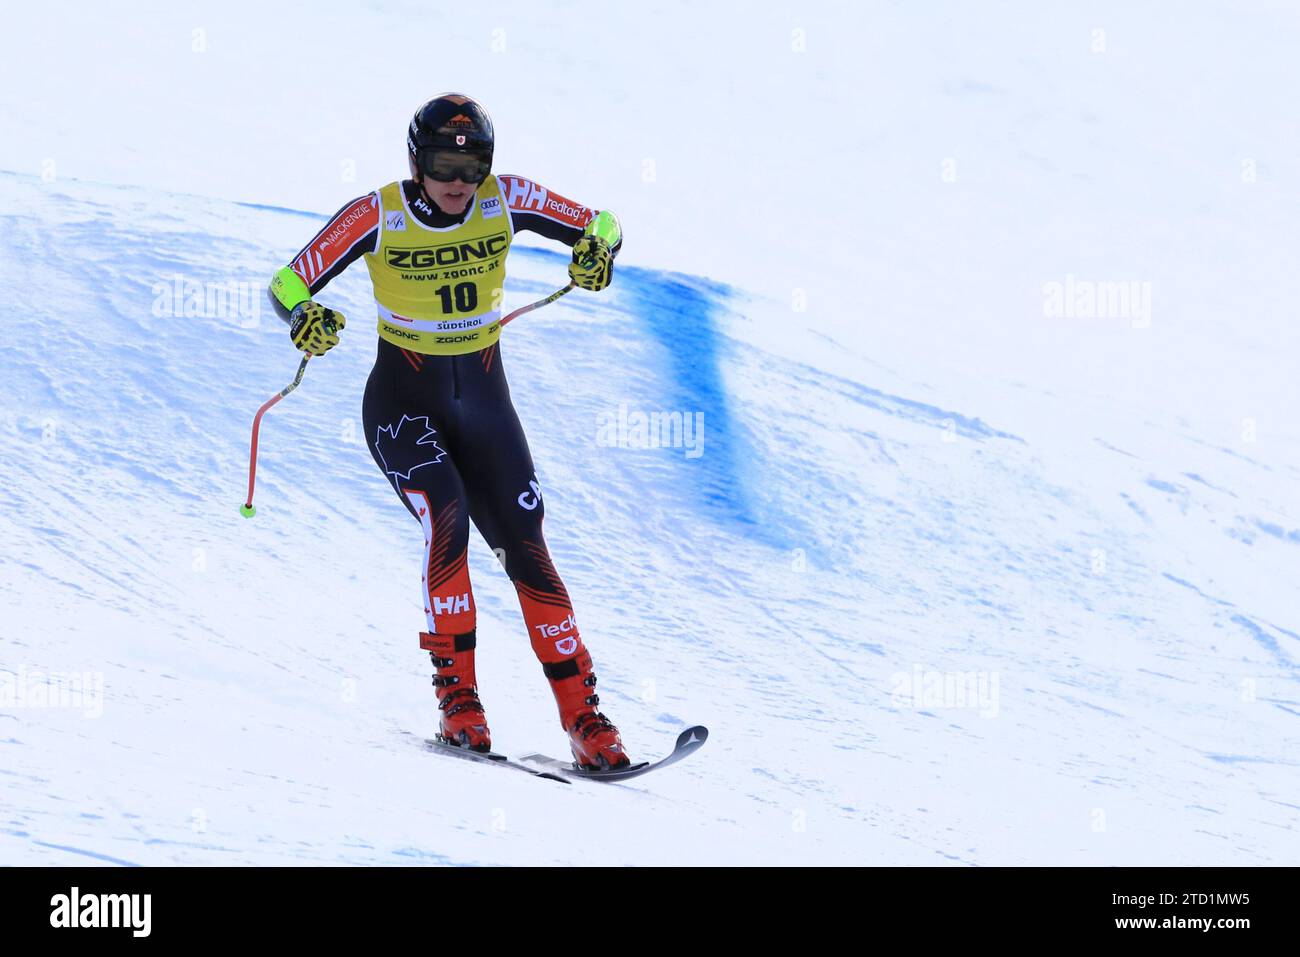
x,y
951,581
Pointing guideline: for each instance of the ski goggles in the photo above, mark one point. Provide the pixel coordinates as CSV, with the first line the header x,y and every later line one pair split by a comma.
x,y
444,166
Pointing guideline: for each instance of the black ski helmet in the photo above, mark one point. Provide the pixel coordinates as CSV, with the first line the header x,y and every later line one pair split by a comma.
x,y
451,121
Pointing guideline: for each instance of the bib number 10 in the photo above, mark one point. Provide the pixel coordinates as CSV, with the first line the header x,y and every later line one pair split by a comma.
x,y
462,297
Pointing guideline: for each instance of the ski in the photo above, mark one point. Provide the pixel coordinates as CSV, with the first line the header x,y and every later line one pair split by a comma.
x,y
487,757
688,742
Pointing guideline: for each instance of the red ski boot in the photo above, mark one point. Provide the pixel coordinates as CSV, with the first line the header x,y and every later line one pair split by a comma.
x,y
463,722
593,739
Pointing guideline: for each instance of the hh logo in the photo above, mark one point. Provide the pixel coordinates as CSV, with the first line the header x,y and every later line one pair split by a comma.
x,y
524,194
451,605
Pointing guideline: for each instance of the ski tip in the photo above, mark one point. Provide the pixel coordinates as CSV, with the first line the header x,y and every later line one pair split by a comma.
x,y
693,737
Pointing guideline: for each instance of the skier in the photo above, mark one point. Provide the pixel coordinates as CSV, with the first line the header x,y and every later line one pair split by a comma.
x,y
437,411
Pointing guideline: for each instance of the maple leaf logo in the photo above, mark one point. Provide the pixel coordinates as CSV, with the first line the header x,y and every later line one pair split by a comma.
x,y
407,445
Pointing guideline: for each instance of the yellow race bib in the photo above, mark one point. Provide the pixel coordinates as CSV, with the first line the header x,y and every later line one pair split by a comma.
x,y
439,291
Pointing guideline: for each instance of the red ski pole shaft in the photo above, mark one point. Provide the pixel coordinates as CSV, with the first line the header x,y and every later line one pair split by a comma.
x,y
247,509
539,303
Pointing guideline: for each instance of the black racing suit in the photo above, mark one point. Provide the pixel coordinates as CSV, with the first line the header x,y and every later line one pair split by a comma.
x,y
445,433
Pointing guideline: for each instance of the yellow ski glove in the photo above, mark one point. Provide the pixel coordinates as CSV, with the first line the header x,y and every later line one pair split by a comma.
x,y
314,328
593,263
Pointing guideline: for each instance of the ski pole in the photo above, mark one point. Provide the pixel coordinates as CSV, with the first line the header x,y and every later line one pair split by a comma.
x,y
606,227
247,509
539,303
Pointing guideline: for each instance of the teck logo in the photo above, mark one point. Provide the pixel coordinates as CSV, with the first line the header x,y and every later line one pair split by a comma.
x,y
566,645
